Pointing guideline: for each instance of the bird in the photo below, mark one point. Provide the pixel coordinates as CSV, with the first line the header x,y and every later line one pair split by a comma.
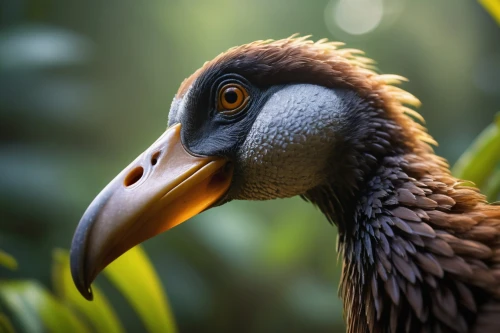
x,y
420,249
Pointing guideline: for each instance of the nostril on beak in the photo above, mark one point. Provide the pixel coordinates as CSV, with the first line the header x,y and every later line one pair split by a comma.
x,y
154,158
134,176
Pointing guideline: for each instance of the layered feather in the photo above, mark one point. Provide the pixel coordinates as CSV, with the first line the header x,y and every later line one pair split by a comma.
x,y
424,255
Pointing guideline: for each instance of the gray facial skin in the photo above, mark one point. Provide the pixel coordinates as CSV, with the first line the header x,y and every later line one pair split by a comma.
x,y
285,153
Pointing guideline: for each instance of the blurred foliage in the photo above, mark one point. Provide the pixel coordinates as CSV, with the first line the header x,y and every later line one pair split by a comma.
x,y
5,324
493,7
85,86
98,313
492,188
8,261
480,163
134,275
34,309
481,158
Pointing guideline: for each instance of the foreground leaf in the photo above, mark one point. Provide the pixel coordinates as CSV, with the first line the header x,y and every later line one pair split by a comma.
x,y
482,157
7,260
36,310
134,275
493,7
98,313
492,189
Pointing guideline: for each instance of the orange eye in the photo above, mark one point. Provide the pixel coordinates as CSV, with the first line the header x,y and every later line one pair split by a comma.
x,y
232,98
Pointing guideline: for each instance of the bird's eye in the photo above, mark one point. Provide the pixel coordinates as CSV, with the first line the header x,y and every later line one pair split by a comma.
x,y
232,98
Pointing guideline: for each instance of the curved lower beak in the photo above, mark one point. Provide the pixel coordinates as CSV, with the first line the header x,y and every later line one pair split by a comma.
x,y
162,188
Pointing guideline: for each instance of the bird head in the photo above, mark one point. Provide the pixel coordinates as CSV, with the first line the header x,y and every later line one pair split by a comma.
x,y
269,119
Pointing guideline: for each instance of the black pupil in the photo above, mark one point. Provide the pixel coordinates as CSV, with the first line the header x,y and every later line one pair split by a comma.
x,y
231,96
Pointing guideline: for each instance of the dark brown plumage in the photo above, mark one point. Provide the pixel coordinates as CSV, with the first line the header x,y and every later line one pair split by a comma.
x,y
420,248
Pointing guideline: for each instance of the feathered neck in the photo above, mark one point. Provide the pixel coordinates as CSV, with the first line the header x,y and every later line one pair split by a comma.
x,y
420,249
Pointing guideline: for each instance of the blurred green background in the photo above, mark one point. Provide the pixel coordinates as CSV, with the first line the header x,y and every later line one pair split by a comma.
x,y
85,86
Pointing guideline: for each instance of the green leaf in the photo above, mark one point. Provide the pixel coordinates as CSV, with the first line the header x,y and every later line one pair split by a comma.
x,y
493,7
134,275
5,324
492,189
36,310
98,313
7,260
481,158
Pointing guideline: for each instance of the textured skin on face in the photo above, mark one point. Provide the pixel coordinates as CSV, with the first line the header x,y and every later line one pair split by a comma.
x,y
285,153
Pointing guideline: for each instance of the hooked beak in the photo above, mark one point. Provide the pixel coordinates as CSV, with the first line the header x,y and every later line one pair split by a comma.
x,y
162,188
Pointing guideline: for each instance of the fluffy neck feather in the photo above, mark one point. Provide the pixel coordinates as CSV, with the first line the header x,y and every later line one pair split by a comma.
x,y
420,249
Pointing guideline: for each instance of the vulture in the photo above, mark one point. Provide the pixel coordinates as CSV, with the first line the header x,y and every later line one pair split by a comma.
x,y
273,119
